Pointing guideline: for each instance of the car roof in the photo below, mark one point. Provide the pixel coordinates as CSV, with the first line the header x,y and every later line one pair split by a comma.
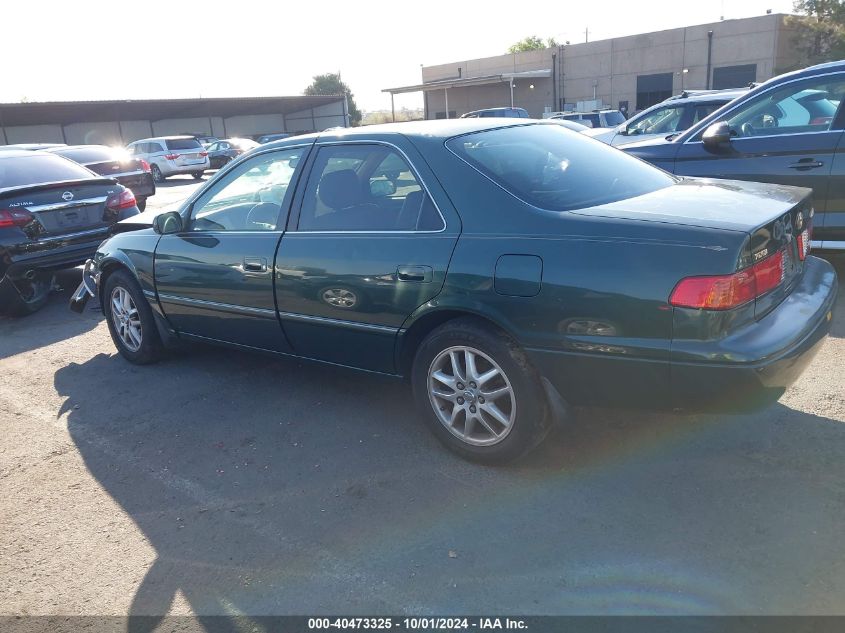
x,y
436,128
19,153
708,95
175,137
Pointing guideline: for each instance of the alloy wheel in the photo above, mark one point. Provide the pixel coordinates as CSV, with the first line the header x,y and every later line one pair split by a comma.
x,y
126,320
471,395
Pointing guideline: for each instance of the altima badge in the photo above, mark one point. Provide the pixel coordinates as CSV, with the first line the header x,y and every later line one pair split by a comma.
x,y
67,196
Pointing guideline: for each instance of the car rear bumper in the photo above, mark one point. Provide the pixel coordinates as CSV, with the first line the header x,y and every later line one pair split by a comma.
x,y
170,168
754,366
54,254
742,372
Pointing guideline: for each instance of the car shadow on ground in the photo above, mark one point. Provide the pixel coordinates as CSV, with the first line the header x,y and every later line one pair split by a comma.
x,y
277,487
837,328
53,323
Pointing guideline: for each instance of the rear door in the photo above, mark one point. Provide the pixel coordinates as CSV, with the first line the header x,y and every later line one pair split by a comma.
x,y
370,243
215,279
786,135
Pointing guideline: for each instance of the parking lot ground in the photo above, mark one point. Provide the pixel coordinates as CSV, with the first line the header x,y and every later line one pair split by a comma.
x,y
221,482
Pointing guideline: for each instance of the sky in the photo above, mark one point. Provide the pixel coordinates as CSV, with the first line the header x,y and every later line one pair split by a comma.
x,y
177,49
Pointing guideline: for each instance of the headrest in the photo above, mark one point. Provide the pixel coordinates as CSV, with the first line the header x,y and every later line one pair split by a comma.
x,y
339,189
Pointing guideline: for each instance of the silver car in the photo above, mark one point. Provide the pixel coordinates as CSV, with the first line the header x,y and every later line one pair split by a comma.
x,y
171,155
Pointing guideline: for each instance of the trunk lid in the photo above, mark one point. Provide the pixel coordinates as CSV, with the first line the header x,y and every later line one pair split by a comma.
x,y
65,207
776,219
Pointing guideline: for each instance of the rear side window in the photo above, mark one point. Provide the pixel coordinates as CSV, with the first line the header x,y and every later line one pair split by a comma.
x,y
37,169
183,143
553,168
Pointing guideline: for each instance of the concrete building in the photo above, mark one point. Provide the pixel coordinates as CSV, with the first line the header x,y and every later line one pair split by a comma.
x,y
120,122
636,71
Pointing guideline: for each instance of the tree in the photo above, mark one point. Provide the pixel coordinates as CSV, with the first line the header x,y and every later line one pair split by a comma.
x,y
331,84
820,30
532,43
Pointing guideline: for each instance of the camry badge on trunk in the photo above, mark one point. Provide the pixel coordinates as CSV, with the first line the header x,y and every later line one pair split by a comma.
x,y
67,196
799,221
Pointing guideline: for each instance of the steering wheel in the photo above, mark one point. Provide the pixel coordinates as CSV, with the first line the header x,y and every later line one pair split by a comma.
x,y
259,215
747,129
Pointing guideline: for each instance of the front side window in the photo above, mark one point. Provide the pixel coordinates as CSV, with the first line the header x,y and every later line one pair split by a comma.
x,y
554,168
796,108
614,118
250,197
365,187
660,121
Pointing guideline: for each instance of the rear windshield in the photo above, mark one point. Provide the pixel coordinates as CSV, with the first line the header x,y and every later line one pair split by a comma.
x,y
183,143
554,168
38,168
87,155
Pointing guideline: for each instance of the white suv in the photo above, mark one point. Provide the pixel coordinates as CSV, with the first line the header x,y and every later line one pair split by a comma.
x,y
170,155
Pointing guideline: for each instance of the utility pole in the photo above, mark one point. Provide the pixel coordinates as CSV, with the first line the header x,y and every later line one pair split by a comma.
x,y
587,34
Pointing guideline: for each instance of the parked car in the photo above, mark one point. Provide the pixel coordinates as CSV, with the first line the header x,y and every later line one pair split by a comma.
x,y
53,214
133,173
222,152
509,267
595,119
31,146
571,125
205,140
269,138
787,130
510,113
676,114
171,155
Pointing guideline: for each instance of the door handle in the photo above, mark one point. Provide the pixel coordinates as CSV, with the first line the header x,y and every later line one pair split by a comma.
x,y
420,274
255,265
806,163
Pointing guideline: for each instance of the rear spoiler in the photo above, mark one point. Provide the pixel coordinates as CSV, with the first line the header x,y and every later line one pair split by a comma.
x,y
56,185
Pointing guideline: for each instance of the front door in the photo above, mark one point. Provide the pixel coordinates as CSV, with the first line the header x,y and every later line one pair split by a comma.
x,y
215,279
787,135
371,243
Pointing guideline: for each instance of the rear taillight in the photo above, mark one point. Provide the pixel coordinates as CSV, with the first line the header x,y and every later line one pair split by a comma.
x,y
14,217
203,154
122,200
171,156
724,292
144,165
804,239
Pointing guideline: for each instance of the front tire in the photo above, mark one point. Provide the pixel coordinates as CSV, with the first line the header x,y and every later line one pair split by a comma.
x,y
478,393
130,319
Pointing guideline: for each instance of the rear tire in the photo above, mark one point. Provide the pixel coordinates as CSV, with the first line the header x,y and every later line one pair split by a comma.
x,y
141,203
156,172
491,408
130,319
26,296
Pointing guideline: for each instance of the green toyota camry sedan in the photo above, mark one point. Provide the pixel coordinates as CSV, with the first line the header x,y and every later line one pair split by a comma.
x,y
506,268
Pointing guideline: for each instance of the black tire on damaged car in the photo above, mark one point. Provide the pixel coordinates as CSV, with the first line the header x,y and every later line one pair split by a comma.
x,y
532,416
23,297
197,175
151,348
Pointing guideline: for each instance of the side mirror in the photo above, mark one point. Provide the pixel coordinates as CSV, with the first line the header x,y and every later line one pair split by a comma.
x,y
717,137
167,223
382,188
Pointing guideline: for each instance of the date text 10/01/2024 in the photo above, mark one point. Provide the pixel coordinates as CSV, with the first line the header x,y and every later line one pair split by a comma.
x,y
418,624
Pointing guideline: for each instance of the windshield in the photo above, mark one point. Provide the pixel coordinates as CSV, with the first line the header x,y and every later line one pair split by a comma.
x,y
553,168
